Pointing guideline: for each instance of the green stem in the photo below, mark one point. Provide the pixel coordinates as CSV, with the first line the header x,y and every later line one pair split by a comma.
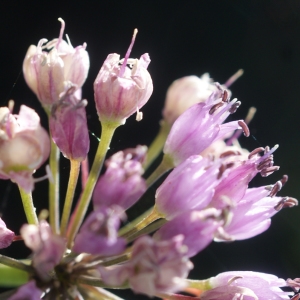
x,y
107,133
14,263
157,145
174,297
54,188
149,229
97,282
165,165
28,207
153,216
74,173
202,285
90,293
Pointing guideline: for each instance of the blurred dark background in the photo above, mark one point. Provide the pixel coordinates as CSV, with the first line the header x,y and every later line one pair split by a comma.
x,y
182,38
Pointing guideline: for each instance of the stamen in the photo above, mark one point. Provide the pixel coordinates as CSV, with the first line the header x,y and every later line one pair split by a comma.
x,y
139,115
62,29
244,128
255,151
225,96
122,70
234,107
268,171
251,113
234,77
215,107
229,153
268,152
276,188
286,202
230,281
284,179
17,238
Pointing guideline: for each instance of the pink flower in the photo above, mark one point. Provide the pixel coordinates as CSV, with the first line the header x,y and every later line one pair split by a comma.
x,y
154,267
99,233
28,291
47,247
6,235
68,126
200,125
189,186
121,90
252,215
24,146
245,285
122,184
197,228
233,186
47,74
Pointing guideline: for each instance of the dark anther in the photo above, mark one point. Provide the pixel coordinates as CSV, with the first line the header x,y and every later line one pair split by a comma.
x,y
284,179
276,188
268,162
244,127
234,107
225,97
255,151
268,171
229,153
215,107
221,171
286,202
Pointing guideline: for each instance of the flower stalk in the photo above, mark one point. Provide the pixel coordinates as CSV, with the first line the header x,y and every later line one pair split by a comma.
x,y
74,173
107,133
54,188
28,207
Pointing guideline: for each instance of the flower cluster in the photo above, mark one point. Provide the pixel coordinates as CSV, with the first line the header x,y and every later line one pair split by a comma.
x,y
206,197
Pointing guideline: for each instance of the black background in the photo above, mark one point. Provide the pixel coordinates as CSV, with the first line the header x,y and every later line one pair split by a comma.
x,y
182,38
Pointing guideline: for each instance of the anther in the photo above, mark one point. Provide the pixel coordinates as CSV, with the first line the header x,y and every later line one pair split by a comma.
x,y
244,128
255,151
268,171
225,95
234,107
276,188
230,153
286,202
215,107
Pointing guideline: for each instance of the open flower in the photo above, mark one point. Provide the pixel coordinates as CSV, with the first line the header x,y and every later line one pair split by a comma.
x,y
47,73
122,87
245,285
24,146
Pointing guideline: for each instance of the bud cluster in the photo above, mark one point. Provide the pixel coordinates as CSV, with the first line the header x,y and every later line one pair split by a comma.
x,y
206,197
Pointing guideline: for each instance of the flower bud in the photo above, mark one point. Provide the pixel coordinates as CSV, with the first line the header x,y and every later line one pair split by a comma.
x,y
245,285
48,73
184,93
68,126
122,87
197,228
122,184
24,146
154,267
189,186
99,233
47,247
6,235
201,125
